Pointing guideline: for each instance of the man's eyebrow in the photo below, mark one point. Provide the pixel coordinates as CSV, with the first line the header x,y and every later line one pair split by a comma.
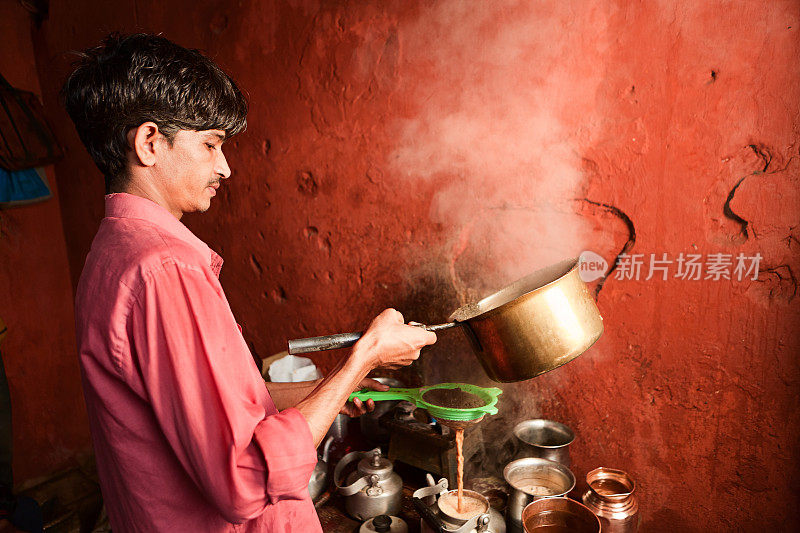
x,y
220,136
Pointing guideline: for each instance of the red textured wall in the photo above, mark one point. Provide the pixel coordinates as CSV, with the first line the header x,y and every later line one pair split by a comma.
x,y
414,154
49,420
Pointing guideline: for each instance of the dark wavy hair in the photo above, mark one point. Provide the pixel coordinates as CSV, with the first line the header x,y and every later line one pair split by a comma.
x,y
131,79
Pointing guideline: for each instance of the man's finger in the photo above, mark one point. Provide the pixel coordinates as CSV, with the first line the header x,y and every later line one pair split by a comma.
x,y
397,315
373,384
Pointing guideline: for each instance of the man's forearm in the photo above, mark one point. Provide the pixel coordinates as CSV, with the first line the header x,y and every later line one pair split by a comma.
x,y
322,405
387,342
286,395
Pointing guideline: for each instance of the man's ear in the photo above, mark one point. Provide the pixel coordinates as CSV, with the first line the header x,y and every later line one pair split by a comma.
x,y
142,142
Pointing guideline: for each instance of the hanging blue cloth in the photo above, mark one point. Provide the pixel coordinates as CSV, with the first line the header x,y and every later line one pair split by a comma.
x,y
23,187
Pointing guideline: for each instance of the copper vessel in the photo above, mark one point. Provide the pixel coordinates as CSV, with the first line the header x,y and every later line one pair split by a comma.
x,y
611,498
559,515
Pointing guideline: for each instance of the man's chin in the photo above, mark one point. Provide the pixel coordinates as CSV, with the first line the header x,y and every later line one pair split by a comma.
x,y
200,208
204,205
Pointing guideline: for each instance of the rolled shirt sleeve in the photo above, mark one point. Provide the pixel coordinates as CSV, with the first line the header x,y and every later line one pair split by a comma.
x,y
209,399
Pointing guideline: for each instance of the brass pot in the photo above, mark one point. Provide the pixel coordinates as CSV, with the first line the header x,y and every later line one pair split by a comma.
x,y
533,326
538,323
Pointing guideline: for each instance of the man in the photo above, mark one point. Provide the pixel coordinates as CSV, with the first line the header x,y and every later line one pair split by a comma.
x,y
186,434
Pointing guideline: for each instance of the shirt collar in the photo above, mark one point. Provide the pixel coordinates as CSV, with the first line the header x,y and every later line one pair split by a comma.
x,y
124,205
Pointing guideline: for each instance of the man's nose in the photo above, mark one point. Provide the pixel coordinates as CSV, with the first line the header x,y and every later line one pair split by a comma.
x,y
221,168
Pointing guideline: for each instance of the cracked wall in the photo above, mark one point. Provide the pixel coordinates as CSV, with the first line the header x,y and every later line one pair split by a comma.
x,y
417,154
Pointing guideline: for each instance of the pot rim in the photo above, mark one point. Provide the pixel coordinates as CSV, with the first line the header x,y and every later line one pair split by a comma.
x,y
514,295
466,492
538,461
587,513
544,422
620,476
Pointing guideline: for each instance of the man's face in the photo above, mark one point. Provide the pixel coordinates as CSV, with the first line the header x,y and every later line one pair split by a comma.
x,y
191,169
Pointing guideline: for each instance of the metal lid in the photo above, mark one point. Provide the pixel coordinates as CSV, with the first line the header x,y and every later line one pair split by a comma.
x,y
375,464
382,523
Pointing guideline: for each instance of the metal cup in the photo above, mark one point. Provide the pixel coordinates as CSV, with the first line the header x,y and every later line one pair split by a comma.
x,y
545,439
532,479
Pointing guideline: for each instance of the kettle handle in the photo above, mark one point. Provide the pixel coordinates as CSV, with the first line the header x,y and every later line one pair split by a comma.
x,y
428,516
326,448
360,483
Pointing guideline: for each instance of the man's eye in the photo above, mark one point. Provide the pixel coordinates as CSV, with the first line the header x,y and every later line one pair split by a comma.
x,y
210,146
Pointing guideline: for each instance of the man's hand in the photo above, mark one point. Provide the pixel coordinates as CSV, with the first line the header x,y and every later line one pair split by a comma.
x,y
388,342
357,407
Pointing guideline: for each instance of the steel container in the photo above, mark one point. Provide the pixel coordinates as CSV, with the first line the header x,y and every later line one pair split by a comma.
x,y
531,479
370,426
339,427
545,439
319,477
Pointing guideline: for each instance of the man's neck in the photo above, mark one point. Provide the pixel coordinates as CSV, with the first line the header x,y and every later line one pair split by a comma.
x,y
149,193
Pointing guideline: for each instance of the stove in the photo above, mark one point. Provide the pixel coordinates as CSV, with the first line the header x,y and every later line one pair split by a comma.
x,y
418,440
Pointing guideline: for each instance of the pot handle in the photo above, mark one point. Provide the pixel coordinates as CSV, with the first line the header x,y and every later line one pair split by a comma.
x,y
409,395
326,448
346,340
428,516
326,342
360,483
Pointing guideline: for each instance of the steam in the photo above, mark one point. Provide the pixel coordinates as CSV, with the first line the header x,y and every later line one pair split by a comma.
x,y
503,107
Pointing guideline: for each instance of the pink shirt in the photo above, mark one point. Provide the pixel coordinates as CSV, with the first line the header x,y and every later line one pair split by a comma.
x,y
186,435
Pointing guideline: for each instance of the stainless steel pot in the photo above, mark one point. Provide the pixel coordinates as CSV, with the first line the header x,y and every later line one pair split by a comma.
x,y
532,479
370,427
545,439
339,427
319,477
538,323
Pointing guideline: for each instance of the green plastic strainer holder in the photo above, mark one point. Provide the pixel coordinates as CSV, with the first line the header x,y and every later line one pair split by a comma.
x,y
488,394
